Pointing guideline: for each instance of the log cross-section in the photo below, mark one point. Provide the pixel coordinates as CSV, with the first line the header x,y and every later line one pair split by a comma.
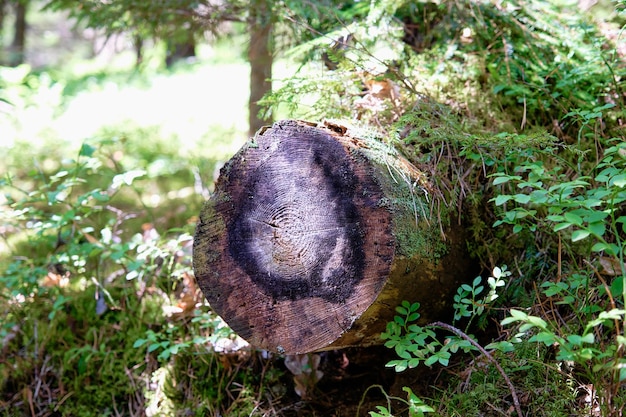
x,y
300,230
300,238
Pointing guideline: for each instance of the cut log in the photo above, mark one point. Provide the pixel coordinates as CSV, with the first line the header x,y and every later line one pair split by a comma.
x,y
313,236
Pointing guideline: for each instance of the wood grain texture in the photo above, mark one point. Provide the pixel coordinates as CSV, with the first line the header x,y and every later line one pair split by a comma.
x,y
299,240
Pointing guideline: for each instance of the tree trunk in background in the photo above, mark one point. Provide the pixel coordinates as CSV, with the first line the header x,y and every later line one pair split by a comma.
x,y
138,44
17,48
261,59
177,50
3,6
314,235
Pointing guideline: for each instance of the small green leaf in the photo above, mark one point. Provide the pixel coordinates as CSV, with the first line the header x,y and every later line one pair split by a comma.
x,y
561,226
588,338
596,216
414,307
501,199
403,353
522,198
399,365
431,360
597,229
401,310
613,314
413,363
517,314
617,286
444,358
546,338
139,343
573,218
412,317
556,217
575,339
537,321
86,150
165,355
127,178
599,247
503,346
618,180
579,235
554,288
503,179
497,272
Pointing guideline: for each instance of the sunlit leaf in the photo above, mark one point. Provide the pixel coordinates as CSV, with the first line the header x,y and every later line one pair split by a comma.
x,y
579,235
127,178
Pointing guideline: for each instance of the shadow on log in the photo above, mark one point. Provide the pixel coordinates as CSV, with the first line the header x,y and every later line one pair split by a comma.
x,y
314,235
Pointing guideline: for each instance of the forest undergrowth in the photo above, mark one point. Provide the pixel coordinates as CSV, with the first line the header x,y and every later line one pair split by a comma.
x,y
516,114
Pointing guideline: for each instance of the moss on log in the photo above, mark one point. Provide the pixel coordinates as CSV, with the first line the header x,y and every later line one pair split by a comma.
x,y
314,234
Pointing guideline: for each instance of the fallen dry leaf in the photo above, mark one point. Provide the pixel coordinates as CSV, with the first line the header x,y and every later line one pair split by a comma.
x,y
305,372
610,266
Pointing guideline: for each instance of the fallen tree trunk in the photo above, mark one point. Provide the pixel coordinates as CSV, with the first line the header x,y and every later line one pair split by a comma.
x,y
314,235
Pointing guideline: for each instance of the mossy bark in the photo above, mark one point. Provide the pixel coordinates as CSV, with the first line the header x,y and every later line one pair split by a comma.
x,y
315,233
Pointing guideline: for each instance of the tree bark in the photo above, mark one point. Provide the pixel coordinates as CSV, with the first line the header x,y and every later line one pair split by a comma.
x,y
3,7
261,59
314,235
18,45
138,44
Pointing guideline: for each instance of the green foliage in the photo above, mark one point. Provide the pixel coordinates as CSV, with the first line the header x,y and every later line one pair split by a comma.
x,y
53,210
416,344
535,62
523,94
172,341
585,213
473,307
414,406
91,294
174,20
95,249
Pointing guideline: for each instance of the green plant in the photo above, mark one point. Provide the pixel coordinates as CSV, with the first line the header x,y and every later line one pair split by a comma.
x,y
416,344
585,214
61,212
415,406
173,339
84,280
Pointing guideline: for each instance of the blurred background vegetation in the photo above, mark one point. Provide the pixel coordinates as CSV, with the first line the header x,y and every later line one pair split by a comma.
x,y
115,117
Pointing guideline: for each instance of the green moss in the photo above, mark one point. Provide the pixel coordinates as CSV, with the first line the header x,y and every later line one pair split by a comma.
x,y
226,384
408,198
423,241
546,392
69,347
